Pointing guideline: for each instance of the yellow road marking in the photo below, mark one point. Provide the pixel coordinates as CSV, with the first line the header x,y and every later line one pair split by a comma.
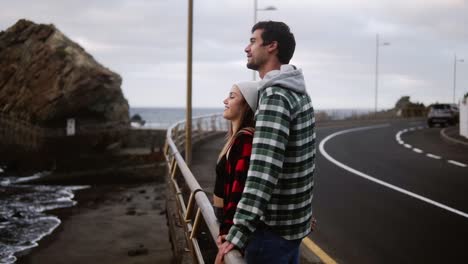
x,y
318,251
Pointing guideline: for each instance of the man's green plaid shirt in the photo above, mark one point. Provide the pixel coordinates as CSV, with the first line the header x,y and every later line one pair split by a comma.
x,y
278,191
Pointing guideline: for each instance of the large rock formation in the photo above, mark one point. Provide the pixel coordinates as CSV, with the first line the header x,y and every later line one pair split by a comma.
x,y
45,77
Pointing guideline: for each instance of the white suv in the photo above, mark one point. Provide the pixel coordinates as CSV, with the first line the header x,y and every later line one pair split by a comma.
x,y
443,114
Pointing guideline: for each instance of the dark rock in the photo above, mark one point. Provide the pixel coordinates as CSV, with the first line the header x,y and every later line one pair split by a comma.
x,y
46,78
18,215
140,250
137,119
131,212
156,206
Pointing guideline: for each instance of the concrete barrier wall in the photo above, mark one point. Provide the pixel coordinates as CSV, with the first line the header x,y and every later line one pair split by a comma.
x,y
142,138
464,118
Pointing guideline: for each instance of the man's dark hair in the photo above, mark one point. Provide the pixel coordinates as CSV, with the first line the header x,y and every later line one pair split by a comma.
x,y
279,32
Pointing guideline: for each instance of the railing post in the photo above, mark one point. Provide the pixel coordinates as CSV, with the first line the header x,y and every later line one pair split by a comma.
x,y
213,124
196,224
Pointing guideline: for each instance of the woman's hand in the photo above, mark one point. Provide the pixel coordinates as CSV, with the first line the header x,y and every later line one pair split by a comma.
x,y
220,240
223,249
219,257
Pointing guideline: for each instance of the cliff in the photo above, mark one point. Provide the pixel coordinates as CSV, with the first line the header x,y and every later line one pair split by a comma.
x,y
46,78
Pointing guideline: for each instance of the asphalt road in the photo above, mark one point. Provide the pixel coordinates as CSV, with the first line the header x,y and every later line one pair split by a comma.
x,y
417,214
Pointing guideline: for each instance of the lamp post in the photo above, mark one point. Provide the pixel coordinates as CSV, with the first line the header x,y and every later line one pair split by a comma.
x,y
188,117
377,46
455,60
256,9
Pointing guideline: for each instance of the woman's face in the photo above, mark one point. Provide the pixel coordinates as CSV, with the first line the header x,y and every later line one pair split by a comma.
x,y
234,105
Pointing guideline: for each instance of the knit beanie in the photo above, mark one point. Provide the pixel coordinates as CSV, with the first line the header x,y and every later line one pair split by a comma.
x,y
249,90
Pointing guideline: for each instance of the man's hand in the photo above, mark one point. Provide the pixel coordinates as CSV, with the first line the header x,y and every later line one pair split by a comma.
x,y
313,225
226,247
223,248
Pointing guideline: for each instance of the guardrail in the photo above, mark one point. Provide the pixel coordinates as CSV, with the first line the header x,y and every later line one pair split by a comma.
x,y
202,127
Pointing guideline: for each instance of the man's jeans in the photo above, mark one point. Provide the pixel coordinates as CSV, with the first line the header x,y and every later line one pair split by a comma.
x,y
267,247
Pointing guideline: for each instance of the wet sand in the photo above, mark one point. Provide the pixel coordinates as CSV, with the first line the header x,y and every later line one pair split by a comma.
x,y
121,223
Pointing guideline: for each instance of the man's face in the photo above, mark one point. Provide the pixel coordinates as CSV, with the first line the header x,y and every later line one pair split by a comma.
x,y
256,53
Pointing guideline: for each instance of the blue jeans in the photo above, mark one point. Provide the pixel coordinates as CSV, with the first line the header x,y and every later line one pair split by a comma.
x,y
267,247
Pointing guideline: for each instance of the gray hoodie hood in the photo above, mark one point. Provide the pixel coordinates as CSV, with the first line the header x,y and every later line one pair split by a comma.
x,y
287,77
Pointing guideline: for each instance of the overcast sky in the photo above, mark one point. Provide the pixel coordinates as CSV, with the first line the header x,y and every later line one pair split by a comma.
x,y
146,43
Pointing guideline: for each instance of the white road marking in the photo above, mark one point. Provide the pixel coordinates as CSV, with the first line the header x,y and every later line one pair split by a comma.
x,y
370,178
401,142
457,163
398,136
433,156
417,150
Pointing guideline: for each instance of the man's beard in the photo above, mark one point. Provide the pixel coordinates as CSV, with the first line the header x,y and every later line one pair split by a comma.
x,y
252,66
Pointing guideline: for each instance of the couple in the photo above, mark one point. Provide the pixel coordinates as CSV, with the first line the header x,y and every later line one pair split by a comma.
x,y
264,181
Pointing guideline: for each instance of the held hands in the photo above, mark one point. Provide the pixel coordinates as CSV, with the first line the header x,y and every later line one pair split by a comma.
x,y
313,225
220,240
223,248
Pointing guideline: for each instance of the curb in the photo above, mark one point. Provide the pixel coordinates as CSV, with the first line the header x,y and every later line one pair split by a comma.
x,y
451,139
308,257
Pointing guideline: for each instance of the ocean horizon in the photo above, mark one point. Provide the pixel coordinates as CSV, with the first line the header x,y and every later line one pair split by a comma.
x,y
163,117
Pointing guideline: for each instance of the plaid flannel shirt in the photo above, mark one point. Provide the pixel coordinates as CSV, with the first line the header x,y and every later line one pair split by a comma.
x,y
279,184
235,174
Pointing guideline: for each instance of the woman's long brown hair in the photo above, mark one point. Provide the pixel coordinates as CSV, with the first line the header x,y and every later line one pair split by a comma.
x,y
247,120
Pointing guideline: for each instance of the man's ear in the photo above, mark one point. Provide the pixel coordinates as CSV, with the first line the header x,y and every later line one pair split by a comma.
x,y
273,46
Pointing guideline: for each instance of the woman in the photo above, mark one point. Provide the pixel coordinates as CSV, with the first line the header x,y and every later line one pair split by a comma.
x,y
233,161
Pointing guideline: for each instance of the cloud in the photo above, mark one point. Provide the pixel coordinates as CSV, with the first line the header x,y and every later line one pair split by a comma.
x,y
146,43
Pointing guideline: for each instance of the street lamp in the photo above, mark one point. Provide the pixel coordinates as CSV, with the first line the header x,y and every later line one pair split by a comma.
x,y
188,115
256,9
377,45
455,60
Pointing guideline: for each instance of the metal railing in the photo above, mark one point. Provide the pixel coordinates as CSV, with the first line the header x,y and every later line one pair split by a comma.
x,y
203,127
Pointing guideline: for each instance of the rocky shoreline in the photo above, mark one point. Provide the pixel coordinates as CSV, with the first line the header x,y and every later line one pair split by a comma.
x,y
112,223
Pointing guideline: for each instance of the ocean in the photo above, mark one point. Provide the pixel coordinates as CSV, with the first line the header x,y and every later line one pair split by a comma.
x,y
163,117
24,217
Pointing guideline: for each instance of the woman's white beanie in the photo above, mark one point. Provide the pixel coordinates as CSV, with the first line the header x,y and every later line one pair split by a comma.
x,y
249,90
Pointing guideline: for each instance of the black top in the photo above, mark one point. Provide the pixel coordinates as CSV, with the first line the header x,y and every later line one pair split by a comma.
x,y
219,183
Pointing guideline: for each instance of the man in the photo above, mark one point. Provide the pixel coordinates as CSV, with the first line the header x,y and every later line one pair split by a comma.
x,y
275,211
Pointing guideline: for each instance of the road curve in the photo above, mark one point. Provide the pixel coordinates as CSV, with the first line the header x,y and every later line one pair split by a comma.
x,y
378,201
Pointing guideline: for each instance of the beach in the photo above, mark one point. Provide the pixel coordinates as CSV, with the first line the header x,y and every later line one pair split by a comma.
x,y
111,223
